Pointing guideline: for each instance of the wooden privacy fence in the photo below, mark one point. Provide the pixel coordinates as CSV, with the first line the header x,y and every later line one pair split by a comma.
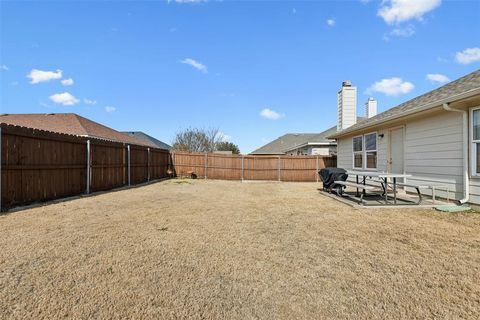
x,y
38,165
239,167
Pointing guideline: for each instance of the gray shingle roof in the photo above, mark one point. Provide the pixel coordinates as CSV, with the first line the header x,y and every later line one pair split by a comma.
x,y
291,141
462,85
139,135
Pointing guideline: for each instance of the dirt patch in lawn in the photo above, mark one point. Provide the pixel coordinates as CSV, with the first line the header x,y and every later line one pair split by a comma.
x,y
231,250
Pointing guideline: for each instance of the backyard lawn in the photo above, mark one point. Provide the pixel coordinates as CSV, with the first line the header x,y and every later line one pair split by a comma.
x,y
230,250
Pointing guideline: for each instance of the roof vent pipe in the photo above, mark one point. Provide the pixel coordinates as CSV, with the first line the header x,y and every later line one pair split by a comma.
x,y
466,180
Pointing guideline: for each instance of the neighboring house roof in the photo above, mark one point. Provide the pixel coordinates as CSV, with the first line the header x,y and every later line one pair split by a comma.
x,y
292,141
469,84
148,139
68,123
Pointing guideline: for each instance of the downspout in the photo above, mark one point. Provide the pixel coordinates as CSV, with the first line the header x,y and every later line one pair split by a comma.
x,y
466,180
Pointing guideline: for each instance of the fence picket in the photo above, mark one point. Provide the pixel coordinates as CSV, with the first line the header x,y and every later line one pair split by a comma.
x,y
39,165
248,167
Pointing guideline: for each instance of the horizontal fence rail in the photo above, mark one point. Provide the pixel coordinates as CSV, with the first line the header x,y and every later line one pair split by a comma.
x,y
239,167
39,165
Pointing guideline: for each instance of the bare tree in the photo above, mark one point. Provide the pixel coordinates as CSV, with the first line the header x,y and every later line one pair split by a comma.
x,y
196,140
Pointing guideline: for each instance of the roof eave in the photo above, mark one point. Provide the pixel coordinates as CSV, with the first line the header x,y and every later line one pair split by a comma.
x,y
332,143
454,98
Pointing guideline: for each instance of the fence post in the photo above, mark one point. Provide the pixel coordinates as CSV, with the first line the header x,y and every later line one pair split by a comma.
x,y
243,168
170,155
316,171
206,164
148,164
88,166
128,163
279,172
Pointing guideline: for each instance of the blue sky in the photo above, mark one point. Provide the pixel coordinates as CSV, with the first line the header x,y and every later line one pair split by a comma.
x,y
253,69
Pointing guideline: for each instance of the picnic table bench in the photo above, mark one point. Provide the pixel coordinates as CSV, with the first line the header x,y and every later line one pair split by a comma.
x,y
363,187
433,187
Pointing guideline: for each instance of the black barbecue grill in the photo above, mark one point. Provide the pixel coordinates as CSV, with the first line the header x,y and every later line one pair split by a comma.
x,y
329,176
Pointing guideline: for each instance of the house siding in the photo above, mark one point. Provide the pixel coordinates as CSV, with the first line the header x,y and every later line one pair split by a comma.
x,y
475,190
432,153
345,153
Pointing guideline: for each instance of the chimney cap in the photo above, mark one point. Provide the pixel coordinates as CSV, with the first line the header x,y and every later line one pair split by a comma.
x,y
346,83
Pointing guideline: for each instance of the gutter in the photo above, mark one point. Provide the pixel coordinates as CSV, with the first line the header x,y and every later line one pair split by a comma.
x,y
466,179
367,124
332,143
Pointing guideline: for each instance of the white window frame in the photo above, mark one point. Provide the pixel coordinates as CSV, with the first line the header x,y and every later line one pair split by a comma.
x,y
364,151
474,144
357,152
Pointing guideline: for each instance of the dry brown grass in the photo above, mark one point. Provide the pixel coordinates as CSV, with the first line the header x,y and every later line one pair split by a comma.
x,y
227,250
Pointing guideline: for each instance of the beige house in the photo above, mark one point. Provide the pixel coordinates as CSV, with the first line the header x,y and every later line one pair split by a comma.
x,y
301,144
434,137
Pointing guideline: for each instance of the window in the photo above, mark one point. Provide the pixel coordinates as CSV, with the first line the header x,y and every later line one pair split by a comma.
x,y
371,150
365,151
358,152
475,126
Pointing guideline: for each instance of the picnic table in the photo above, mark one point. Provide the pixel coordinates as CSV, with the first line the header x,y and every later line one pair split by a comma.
x,y
383,176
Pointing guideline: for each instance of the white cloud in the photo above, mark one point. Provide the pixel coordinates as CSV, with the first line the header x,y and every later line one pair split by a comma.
x,y
403,32
110,109
197,65
331,22
90,102
37,76
271,114
468,55
437,77
391,87
64,98
395,11
4,67
67,82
